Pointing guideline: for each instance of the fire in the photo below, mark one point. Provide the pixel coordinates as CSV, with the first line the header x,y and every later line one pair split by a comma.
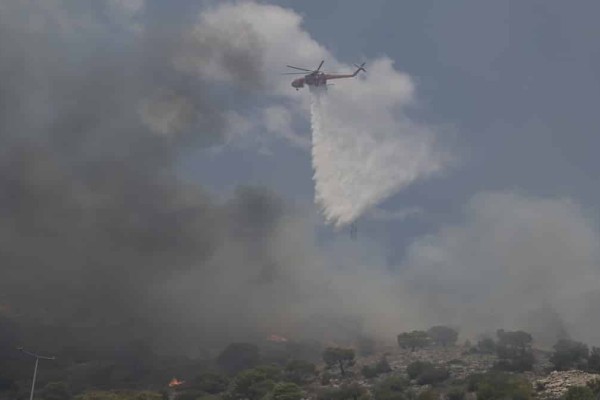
x,y
175,382
276,338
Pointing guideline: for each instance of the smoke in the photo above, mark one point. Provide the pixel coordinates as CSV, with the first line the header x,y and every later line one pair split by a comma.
x,y
516,261
102,243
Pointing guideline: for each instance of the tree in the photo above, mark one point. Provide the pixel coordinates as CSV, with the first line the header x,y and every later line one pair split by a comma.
x,y
56,391
569,354
340,356
413,340
579,393
514,351
300,372
443,335
286,391
210,382
253,384
237,357
594,360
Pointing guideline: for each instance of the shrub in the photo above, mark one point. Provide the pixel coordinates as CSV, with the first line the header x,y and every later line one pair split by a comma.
x,y
432,376
579,393
456,393
499,386
569,354
392,388
429,394
415,369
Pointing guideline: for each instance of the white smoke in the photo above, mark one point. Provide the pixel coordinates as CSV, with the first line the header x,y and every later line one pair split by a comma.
x,y
364,148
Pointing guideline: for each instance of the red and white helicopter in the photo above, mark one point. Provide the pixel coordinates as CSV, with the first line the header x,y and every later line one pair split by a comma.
x,y
318,78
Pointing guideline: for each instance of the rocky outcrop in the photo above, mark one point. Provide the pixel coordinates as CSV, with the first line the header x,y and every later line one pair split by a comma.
x,y
556,384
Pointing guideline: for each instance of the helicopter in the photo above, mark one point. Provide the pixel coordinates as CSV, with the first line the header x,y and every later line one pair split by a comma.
x,y
318,78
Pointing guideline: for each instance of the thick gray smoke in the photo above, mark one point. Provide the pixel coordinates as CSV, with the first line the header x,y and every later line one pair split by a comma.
x,y
516,261
101,242
94,218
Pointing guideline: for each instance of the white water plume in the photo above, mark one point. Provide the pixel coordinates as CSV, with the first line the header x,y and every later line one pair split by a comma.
x,y
363,152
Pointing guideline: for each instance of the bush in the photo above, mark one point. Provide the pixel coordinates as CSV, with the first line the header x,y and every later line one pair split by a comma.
x,y
426,373
486,345
432,376
414,369
369,372
579,393
119,395
594,360
326,378
392,388
499,386
569,354
56,391
300,372
237,357
456,393
443,335
381,367
595,386
429,394
286,391
210,382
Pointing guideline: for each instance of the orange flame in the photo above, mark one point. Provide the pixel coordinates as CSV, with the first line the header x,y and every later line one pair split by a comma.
x,y
276,338
175,382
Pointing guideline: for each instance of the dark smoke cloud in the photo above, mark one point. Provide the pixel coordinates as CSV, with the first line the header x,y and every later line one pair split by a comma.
x,y
93,215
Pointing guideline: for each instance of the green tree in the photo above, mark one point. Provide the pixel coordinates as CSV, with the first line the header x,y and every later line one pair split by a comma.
x,y
569,354
300,372
237,357
210,382
286,391
340,356
514,351
55,391
579,393
594,360
443,335
253,384
413,340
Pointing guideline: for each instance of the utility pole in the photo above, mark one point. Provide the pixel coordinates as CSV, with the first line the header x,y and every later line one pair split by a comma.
x,y
37,360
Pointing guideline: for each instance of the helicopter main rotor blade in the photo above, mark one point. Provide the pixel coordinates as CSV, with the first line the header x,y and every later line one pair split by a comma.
x,y
320,65
301,69
293,73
